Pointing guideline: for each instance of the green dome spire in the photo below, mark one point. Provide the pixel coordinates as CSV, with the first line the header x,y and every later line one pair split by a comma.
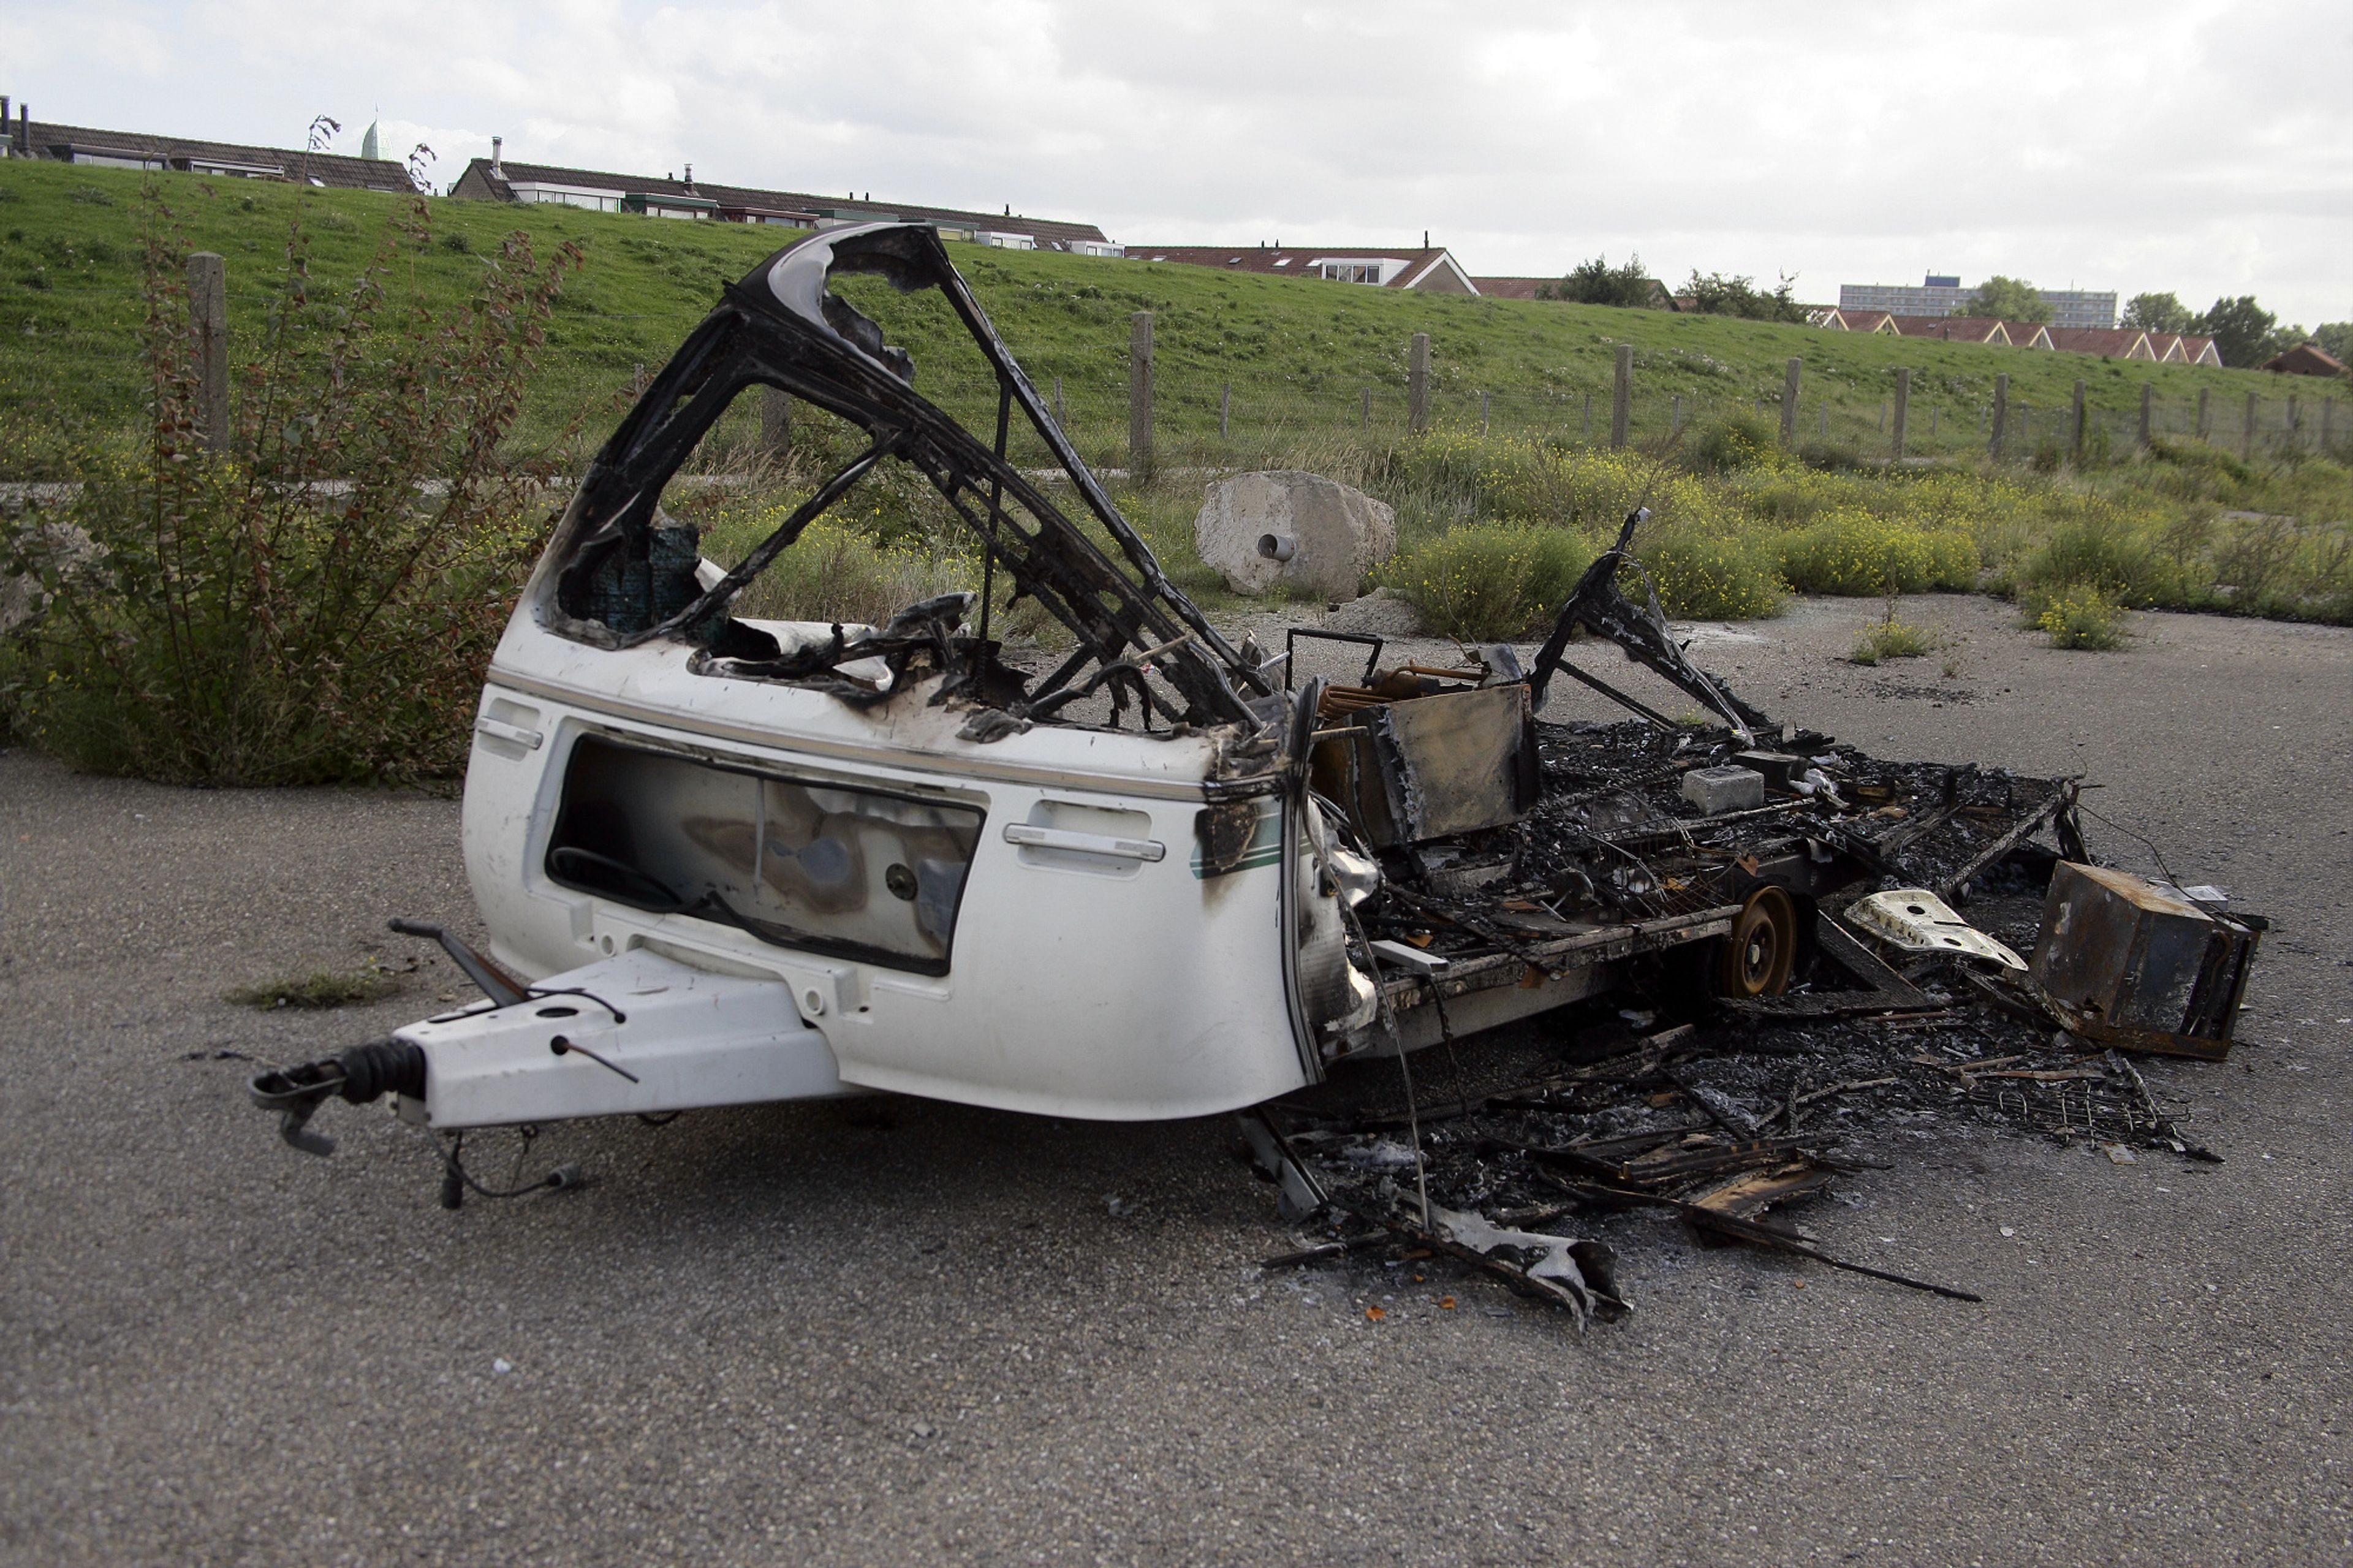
x,y
368,144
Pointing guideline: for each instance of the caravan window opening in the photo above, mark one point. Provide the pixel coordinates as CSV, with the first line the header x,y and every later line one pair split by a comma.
x,y
845,871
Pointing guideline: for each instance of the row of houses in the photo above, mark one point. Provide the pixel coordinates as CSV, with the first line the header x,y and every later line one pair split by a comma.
x,y
493,179
497,179
2109,342
26,137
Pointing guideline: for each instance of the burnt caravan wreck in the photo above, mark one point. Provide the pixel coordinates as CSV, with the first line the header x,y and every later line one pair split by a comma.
x,y
725,860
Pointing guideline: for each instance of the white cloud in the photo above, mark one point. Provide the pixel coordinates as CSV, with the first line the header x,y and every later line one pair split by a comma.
x,y
2186,144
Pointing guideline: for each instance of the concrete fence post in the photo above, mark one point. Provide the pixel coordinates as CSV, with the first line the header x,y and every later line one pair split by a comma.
x,y
1417,385
1224,410
1621,395
1823,403
1482,415
1903,411
1789,400
2147,409
2205,411
2294,422
2079,424
1584,431
775,425
208,327
1139,393
638,382
2000,414
2247,430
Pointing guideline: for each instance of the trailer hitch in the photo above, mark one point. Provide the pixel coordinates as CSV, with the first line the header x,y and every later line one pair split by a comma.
x,y
358,1076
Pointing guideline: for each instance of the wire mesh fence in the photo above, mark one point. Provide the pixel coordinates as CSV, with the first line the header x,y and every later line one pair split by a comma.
x,y
77,363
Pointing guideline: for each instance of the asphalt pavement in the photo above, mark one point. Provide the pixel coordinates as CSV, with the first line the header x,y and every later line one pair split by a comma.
x,y
895,1331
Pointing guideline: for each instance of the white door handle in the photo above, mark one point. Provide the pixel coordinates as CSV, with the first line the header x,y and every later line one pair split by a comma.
x,y
1036,838
513,734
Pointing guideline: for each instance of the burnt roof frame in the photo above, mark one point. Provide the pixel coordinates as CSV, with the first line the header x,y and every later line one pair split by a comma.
x,y
781,326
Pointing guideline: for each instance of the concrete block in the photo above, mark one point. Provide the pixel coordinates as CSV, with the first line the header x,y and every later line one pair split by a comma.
x,y
1719,790
1293,529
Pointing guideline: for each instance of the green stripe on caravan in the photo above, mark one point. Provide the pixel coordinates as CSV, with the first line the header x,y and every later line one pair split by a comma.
x,y
1264,849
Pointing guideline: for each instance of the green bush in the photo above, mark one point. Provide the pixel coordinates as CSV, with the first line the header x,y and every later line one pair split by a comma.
x,y
2078,616
1485,582
2200,457
1853,553
1709,573
2107,553
319,602
1889,637
1835,457
1738,440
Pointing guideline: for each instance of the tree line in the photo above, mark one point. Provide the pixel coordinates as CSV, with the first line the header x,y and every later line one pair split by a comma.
x,y
1595,282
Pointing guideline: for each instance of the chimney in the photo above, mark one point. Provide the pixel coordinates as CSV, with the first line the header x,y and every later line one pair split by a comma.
x,y
24,131
497,171
4,122
1425,239
689,176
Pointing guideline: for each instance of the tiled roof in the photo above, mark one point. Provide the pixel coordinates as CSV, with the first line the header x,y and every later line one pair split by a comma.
x,y
68,142
2109,342
1953,328
1299,260
477,181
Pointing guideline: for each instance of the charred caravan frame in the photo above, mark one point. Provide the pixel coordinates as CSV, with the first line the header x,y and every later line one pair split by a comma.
x,y
725,859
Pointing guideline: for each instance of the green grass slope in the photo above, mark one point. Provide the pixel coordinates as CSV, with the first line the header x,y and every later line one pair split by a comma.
x,y
1288,356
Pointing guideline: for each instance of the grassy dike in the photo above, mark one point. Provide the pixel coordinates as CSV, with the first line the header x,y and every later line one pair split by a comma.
x,y
1297,351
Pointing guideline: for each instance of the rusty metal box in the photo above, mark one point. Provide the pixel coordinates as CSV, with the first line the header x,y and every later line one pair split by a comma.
x,y
1426,768
2128,963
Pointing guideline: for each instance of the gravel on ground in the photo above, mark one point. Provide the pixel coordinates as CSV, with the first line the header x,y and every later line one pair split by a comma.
x,y
890,1330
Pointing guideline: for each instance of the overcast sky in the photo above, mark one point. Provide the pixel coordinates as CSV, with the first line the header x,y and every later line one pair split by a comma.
x,y
2200,147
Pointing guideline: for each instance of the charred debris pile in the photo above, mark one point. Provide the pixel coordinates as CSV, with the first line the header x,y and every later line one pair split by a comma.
x,y
1780,987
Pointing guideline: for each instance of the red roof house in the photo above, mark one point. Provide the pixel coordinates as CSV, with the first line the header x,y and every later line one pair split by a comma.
x,y
2305,359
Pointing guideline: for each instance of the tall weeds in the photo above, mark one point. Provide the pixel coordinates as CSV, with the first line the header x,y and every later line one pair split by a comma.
x,y
318,601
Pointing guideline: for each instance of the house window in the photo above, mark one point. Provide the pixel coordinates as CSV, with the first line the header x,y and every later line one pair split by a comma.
x,y
113,160
236,171
1353,271
567,196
